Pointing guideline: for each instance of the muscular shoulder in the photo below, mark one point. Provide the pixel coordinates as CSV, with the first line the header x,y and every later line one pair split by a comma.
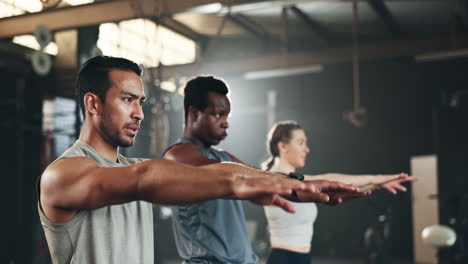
x,y
184,152
180,150
189,154
63,171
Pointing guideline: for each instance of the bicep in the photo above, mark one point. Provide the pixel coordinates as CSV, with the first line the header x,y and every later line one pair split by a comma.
x,y
87,186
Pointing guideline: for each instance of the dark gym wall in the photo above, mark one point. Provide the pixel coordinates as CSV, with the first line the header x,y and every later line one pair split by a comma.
x,y
21,111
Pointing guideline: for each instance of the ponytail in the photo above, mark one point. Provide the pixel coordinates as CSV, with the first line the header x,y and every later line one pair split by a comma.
x,y
267,164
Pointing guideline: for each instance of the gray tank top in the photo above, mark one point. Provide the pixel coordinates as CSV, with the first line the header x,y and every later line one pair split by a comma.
x,y
112,234
213,231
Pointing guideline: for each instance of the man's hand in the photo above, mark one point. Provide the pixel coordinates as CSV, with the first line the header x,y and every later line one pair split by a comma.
x,y
268,189
339,197
328,192
276,200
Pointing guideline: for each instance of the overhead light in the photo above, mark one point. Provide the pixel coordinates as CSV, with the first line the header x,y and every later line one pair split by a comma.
x,y
218,8
442,55
206,9
247,7
240,8
78,2
282,72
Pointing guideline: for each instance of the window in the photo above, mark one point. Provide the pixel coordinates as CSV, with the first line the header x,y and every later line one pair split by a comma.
x,y
145,42
10,8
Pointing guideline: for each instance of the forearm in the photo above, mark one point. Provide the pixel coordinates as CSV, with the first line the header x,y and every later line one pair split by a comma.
x,y
241,172
242,169
357,180
164,181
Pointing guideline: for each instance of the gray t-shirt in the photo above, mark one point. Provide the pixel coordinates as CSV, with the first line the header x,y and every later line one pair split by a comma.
x,y
112,234
213,231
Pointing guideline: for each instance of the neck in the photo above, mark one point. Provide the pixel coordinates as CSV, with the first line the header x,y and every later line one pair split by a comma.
x,y
190,135
91,136
281,165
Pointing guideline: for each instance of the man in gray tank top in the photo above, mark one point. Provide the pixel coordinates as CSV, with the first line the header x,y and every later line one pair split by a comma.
x,y
95,205
215,231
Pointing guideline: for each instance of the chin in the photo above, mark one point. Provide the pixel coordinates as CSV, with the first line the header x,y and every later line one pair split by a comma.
x,y
126,143
300,165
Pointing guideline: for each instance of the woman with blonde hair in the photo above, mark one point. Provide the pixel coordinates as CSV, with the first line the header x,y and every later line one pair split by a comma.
x,y
291,234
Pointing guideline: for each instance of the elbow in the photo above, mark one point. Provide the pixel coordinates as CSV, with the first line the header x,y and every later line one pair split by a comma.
x,y
143,181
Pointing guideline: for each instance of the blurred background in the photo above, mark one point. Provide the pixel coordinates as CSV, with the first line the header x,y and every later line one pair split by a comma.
x,y
380,86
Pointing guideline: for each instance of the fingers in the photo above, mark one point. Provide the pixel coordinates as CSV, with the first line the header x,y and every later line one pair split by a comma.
x,y
248,188
310,187
396,185
399,187
335,201
338,187
322,198
339,198
384,179
409,179
282,186
276,200
284,204
316,197
293,185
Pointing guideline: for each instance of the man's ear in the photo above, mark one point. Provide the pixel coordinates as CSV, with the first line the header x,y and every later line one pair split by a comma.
x,y
92,103
193,112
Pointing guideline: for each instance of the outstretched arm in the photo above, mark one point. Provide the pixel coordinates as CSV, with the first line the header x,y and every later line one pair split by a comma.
x,y
390,182
314,192
74,184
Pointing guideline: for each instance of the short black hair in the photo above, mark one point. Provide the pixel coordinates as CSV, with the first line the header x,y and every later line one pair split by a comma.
x,y
94,76
196,92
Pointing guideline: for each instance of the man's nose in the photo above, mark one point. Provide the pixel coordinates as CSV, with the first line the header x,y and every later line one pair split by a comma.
x,y
138,112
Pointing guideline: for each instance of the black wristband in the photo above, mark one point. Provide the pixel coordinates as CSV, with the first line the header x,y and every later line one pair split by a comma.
x,y
296,176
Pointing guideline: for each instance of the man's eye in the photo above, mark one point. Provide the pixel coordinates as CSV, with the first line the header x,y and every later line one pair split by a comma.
x,y
127,99
142,102
217,116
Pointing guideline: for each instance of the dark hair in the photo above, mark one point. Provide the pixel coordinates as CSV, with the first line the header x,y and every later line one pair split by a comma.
x,y
280,132
94,76
196,92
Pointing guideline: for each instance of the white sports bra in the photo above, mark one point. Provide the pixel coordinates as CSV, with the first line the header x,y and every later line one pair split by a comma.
x,y
291,230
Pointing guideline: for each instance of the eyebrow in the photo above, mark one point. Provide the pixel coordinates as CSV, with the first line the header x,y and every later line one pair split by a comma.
x,y
220,106
134,96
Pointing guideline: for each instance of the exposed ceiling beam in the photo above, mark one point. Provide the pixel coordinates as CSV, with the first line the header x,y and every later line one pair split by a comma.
x,y
251,26
381,9
313,25
97,13
182,29
397,48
